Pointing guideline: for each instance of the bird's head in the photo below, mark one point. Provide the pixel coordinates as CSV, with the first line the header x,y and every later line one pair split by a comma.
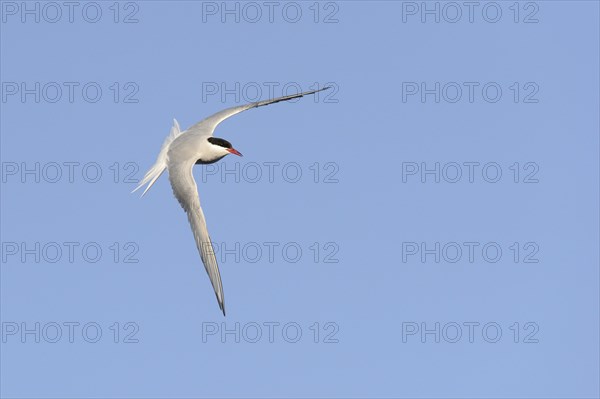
x,y
222,147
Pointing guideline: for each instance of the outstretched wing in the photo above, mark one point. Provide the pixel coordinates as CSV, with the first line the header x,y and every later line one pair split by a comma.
x,y
207,126
186,192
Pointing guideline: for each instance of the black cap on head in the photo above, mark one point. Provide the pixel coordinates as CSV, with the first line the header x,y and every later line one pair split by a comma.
x,y
220,142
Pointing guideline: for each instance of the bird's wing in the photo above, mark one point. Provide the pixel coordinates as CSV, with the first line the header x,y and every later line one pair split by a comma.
x,y
186,192
207,126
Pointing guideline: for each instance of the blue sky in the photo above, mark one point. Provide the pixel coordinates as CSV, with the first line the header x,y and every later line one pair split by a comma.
x,y
427,228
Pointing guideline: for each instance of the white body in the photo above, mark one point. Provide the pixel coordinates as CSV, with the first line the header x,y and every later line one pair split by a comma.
x,y
179,154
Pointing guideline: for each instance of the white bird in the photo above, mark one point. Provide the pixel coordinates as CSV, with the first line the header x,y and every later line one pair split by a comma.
x,y
178,154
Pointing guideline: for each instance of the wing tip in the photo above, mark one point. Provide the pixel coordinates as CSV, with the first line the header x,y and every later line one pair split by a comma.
x,y
321,89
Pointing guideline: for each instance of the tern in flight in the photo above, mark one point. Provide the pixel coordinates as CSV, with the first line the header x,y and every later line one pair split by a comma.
x,y
179,153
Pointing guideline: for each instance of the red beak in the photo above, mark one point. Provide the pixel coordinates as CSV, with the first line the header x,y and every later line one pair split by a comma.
x,y
234,151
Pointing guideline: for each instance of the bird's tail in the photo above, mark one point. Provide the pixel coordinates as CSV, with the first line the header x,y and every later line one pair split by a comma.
x,y
161,161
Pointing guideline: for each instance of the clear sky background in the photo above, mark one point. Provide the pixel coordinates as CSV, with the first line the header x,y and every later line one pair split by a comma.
x,y
350,270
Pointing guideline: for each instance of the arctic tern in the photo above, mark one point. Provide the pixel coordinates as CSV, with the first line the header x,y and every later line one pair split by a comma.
x,y
179,153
